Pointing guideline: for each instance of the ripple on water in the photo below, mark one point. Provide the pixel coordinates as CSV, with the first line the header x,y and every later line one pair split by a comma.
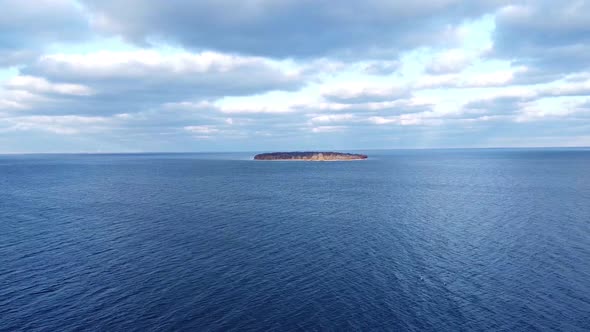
x,y
407,240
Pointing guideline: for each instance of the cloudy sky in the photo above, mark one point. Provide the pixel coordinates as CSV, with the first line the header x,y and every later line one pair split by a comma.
x,y
255,75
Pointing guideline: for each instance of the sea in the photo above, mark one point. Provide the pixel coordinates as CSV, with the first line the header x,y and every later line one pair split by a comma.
x,y
408,240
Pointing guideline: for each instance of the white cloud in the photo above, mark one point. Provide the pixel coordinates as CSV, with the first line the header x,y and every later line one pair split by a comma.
x,y
62,125
157,76
187,105
366,71
328,118
20,100
41,85
436,81
11,105
143,63
205,130
327,129
539,110
499,78
424,118
251,109
450,61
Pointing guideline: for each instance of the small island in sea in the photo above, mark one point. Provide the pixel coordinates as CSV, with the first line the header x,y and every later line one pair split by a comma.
x,y
310,156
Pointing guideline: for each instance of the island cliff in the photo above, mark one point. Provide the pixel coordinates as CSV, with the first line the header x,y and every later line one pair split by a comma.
x,y
309,156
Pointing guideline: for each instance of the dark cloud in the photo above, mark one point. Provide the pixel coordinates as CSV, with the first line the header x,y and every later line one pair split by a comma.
x,y
27,26
571,90
163,97
288,28
382,67
15,57
495,106
550,37
111,83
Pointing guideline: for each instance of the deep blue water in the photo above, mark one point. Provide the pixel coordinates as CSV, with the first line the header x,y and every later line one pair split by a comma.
x,y
440,240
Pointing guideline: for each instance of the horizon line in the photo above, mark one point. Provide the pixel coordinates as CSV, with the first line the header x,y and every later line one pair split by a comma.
x,y
294,150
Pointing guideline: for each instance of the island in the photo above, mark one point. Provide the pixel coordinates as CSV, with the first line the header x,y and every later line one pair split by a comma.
x,y
310,156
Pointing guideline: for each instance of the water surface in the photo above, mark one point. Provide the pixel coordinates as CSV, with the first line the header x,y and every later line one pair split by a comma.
x,y
433,240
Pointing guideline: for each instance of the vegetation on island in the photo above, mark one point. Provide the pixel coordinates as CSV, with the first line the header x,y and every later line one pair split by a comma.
x,y
310,156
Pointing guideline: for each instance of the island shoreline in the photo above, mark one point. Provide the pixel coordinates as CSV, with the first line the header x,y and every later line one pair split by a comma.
x,y
309,156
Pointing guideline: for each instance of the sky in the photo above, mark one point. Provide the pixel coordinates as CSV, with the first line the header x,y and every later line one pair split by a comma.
x,y
98,76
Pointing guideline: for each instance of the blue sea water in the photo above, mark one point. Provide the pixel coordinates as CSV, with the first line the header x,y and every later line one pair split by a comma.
x,y
431,240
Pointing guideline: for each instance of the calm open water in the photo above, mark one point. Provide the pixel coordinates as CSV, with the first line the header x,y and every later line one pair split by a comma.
x,y
441,240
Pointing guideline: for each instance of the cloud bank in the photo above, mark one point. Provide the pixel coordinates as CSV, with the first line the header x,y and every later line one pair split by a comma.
x,y
255,75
